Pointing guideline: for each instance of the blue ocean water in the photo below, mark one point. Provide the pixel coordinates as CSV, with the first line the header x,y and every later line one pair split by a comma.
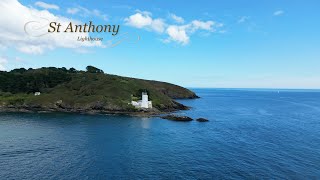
x,y
259,134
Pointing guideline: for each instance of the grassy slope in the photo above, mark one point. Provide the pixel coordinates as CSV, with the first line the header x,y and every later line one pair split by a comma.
x,y
92,91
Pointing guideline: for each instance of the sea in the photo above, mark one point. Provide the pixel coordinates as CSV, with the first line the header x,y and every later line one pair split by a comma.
x,y
251,134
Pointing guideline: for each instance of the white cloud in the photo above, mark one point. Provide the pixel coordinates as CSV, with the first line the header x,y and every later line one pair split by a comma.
x,y
46,6
181,34
12,34
144,20
278,13
158,25
203,25
243,19
176,33
84,12
176,18
3,62
139,20
7,63
73,10
97,13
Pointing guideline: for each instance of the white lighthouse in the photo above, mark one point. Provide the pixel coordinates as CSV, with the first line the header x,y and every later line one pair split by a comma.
x,y
144,102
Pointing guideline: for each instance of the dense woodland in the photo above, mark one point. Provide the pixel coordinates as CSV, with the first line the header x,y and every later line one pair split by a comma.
x,y
32,80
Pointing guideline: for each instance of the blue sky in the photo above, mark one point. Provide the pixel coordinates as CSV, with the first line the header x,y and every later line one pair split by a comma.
x,y
229,44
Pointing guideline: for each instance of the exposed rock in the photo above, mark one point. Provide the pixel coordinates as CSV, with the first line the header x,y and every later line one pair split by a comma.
x,y
177,118
59,102
202,120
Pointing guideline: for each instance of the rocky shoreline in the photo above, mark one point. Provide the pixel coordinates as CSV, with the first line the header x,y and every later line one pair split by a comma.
x,y
61,109
139,113
174,117
177,118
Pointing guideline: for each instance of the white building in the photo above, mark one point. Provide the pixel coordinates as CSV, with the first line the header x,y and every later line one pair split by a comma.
x,y
37,93
144,103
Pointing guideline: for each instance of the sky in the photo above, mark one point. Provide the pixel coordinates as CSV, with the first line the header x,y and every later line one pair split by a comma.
x,y
204,43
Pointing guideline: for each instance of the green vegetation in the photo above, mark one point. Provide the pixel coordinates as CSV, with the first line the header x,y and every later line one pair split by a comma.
x,y
71,90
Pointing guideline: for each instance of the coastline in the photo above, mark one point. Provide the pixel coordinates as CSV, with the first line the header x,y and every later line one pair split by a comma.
x,y
50,89
139,112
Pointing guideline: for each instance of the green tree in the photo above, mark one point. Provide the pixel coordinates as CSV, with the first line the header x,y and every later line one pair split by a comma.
x,y
72,70
92,69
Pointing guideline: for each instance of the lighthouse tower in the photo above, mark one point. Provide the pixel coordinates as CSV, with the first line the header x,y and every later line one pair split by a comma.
x,y
144,101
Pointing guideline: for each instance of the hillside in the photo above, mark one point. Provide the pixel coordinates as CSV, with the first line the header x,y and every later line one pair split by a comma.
x,y
69,90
